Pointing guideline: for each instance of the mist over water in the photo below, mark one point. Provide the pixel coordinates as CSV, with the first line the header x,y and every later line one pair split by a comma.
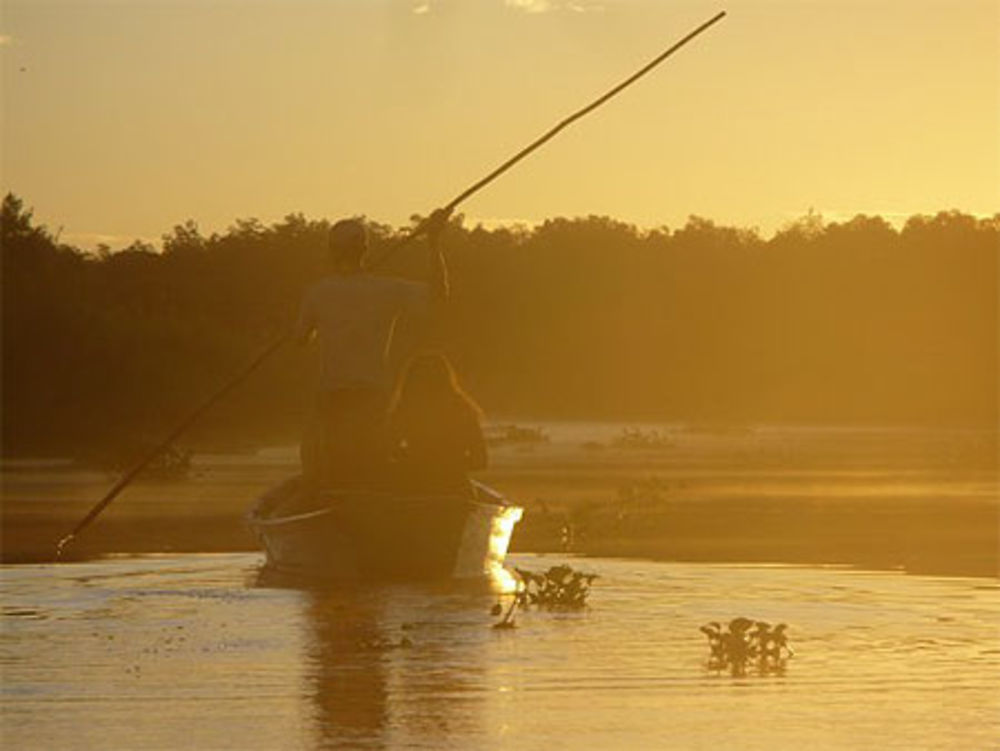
x,y
195,651
920,500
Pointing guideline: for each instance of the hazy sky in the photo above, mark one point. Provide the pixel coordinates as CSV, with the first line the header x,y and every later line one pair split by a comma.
x,y
121,119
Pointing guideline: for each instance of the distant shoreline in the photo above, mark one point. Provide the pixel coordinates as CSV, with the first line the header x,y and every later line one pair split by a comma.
x,y
924,502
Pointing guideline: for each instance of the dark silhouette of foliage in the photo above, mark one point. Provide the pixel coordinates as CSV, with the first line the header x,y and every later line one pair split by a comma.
x,y
747,642
559,588
843,322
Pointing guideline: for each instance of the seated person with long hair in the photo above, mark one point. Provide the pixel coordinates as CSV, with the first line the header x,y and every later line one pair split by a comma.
x,y
434,428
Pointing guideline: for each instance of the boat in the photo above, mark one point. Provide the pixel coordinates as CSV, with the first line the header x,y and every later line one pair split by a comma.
x,y
383,535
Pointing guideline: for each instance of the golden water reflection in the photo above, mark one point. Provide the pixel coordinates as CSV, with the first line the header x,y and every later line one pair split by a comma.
x,y
345,674
379,662
168,652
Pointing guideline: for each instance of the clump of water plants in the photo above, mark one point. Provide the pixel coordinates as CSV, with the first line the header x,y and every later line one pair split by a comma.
x,y
559,588
500,435
746,643
171,463
636,438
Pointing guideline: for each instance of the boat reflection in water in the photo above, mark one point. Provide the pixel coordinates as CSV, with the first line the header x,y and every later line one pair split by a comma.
x,y
397,592
366,535
383,662
345,672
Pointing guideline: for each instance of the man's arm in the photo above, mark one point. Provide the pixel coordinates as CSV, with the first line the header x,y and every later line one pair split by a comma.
x,y
438,272
477,450
306,324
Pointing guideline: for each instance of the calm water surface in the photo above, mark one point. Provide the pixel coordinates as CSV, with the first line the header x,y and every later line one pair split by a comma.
x,y
196,651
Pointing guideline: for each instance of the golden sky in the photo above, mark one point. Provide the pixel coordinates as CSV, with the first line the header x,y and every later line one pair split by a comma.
x,y
121,119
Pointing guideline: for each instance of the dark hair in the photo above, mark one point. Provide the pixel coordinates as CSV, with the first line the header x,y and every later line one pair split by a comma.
x,y
348,242
428,384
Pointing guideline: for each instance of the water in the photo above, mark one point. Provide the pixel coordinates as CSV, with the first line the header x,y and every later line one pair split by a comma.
x,y
196,651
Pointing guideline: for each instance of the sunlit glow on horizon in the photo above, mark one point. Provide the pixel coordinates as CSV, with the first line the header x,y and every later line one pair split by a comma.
x,y
124,120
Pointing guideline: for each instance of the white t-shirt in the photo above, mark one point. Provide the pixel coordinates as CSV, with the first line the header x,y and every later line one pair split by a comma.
x,y
355,316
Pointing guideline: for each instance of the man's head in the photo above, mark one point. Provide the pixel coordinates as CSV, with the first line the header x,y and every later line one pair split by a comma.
x,y
348,244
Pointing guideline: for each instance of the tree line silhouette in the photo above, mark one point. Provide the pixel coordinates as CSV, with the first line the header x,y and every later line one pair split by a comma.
x,y
847,322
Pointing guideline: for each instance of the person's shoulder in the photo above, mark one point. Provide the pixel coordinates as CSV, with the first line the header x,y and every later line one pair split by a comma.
x,y
396,282
396,287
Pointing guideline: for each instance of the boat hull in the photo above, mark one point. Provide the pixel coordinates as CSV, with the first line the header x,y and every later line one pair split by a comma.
x,y
384,536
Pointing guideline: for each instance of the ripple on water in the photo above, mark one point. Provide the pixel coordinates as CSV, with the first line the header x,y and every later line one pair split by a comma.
x,y
180,651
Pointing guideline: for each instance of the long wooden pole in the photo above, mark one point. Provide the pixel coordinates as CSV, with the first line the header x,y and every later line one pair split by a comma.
x,y
549,135
165,443
450,206
555,130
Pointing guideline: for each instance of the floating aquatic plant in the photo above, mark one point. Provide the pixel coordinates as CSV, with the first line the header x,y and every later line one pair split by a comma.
x,y
747,642
636,438
499,435
172,463
508,616
559,588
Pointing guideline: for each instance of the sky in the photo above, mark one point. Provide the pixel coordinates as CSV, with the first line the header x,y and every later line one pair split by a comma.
x,y
124,118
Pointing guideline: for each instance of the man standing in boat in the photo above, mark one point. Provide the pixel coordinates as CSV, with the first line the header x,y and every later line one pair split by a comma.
x,y
355,314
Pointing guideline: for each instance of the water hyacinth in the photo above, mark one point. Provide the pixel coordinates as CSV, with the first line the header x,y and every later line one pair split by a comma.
x,y
559,588
747,642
